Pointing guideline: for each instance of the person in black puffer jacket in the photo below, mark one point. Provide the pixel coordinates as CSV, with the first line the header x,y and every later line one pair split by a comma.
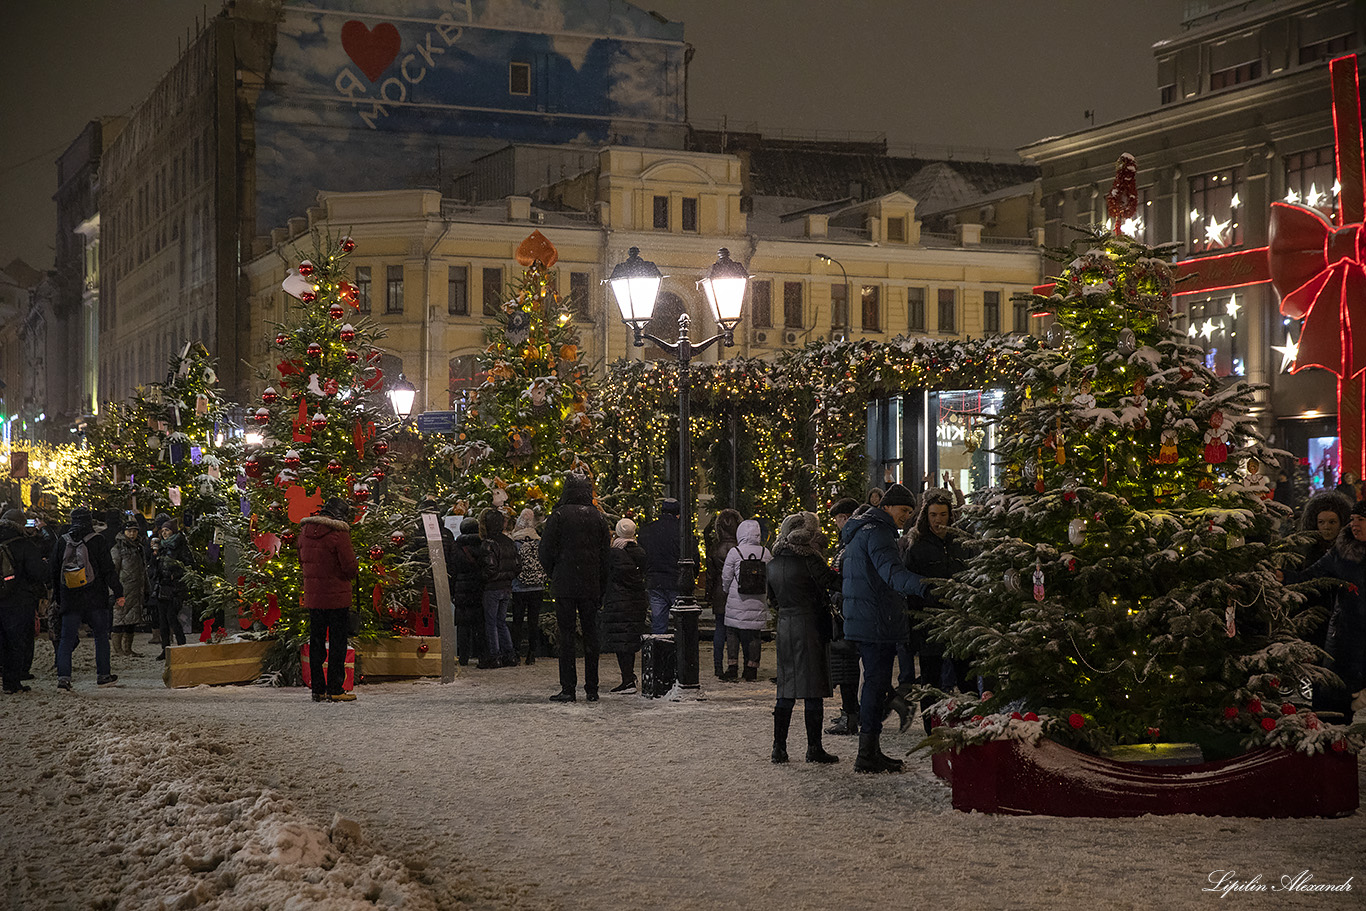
x,y
626,604
467,591
19,598
574,550
499,558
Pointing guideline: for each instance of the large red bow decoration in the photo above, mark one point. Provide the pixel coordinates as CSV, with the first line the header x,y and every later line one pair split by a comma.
x,y
1318,270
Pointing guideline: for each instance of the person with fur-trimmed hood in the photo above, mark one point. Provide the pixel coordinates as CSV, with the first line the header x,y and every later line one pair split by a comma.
x,y
934,552
1346,639
328,564
1325,515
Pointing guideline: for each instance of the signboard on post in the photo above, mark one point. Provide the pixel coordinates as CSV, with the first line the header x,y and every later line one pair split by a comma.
x,y
445,619
438,422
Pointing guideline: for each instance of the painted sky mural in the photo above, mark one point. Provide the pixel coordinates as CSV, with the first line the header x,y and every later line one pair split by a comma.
x,y
382,94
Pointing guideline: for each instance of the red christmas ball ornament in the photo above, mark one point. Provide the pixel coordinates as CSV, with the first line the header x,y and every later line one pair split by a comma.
x,y
319,420
1289,709
1154,733
347,244
335,311
1030,716
308,297
1339,745
1254,706
287,536
379,474
352,356
252,468
422,648
262,415
361,492
1016,716
334,467
381,447
1268,724
281,339
306,268
376,551
292,459
1069,495
397,538
1274,683
1231,712
270,396
1076,720
315,350
348,333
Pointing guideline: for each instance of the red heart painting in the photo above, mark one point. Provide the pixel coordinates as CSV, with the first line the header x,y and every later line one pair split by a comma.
x,y
371,49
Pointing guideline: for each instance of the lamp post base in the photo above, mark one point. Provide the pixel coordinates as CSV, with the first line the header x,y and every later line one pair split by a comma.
x,y
685,614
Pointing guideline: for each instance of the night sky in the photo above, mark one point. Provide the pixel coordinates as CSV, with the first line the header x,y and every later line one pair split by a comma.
x,y
966,75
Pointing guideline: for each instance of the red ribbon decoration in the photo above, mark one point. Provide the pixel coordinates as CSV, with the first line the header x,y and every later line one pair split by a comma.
x,y
1318,271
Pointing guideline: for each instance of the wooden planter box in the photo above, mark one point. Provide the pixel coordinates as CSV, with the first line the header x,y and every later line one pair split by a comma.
x,y
234,661
401,656
1013,778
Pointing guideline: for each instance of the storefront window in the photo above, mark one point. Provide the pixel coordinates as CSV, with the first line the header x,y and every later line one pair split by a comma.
x,y
964,436
1218,323
1216,211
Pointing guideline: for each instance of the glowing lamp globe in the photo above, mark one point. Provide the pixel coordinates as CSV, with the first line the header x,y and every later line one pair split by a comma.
x,y
724,285
635,285
401,395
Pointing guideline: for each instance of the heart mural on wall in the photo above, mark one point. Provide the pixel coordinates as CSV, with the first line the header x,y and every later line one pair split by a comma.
x,y
370,49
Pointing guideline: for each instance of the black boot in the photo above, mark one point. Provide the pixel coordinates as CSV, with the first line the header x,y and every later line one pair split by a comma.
x,y
782,720
868,753
751,673
732,674
814,751
896,702
844,725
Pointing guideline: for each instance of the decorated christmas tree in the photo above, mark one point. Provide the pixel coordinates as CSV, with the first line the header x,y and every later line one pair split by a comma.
x,y
533,418
323,425
1125,589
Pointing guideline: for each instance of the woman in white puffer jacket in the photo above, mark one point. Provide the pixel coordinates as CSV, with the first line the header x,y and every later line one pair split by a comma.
x,y
747,612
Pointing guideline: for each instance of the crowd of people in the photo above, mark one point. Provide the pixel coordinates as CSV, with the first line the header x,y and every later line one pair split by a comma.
x,y
845,613
111,572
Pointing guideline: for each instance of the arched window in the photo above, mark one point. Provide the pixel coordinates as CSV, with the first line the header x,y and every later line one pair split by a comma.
x,y
465,377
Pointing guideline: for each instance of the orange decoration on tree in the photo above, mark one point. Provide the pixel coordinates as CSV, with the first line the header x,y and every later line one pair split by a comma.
x,y
537,248
302,504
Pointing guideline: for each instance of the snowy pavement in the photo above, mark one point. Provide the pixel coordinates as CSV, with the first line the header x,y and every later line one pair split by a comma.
x,y
480,794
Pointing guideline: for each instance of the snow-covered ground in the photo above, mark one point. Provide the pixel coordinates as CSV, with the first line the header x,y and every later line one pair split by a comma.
x,y
480,794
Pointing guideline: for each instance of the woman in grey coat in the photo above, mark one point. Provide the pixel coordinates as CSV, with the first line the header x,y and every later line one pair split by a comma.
x,y
799,583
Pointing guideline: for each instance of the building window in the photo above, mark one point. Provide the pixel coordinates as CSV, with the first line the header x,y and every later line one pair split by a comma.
x,y
661,213
464,378
839,306
689,213
761,304
872,308
1326,49
493,291
792,305
1233,75
896,230
363,288
393,289
519,78
915,309
1216,208
458,291
1021,307
580,295
1167,94
948,310
991,312
1309,178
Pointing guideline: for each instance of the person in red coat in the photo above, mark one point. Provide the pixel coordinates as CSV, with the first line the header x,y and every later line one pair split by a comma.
x,y
328,564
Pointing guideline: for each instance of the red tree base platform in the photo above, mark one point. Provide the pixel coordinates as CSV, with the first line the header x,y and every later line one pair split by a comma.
x,y
1016,779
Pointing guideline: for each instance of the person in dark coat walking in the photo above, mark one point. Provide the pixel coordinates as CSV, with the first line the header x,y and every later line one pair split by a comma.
x,y
660,540
327,562
574,550
1346,640
875,585
727,525
934,552
466,573
87,602
18,598
844,672
799,583
625,606
499,558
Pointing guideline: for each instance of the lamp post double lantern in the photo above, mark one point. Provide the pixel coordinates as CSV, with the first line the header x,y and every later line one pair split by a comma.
x,y
635,284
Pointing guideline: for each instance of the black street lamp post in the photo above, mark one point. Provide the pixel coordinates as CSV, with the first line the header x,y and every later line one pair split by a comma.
x,y
635,284
844,324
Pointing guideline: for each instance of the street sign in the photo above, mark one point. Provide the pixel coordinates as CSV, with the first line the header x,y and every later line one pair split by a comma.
x,y
438,421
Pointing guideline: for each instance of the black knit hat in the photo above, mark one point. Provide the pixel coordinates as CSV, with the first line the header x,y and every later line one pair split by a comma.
x,y
1359,508
669,507
337,508
81,516
897,495
844,507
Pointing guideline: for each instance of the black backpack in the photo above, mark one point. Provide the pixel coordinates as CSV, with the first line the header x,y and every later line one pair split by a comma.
x,y
752,579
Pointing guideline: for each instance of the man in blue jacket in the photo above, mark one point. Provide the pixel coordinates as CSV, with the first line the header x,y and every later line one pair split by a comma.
x,y
875,587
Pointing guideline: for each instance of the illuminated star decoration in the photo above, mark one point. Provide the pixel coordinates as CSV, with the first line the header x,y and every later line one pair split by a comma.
x,y
1132,226
1292,197
1209,328
1313,197
1288,351
1214,231
1232,307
